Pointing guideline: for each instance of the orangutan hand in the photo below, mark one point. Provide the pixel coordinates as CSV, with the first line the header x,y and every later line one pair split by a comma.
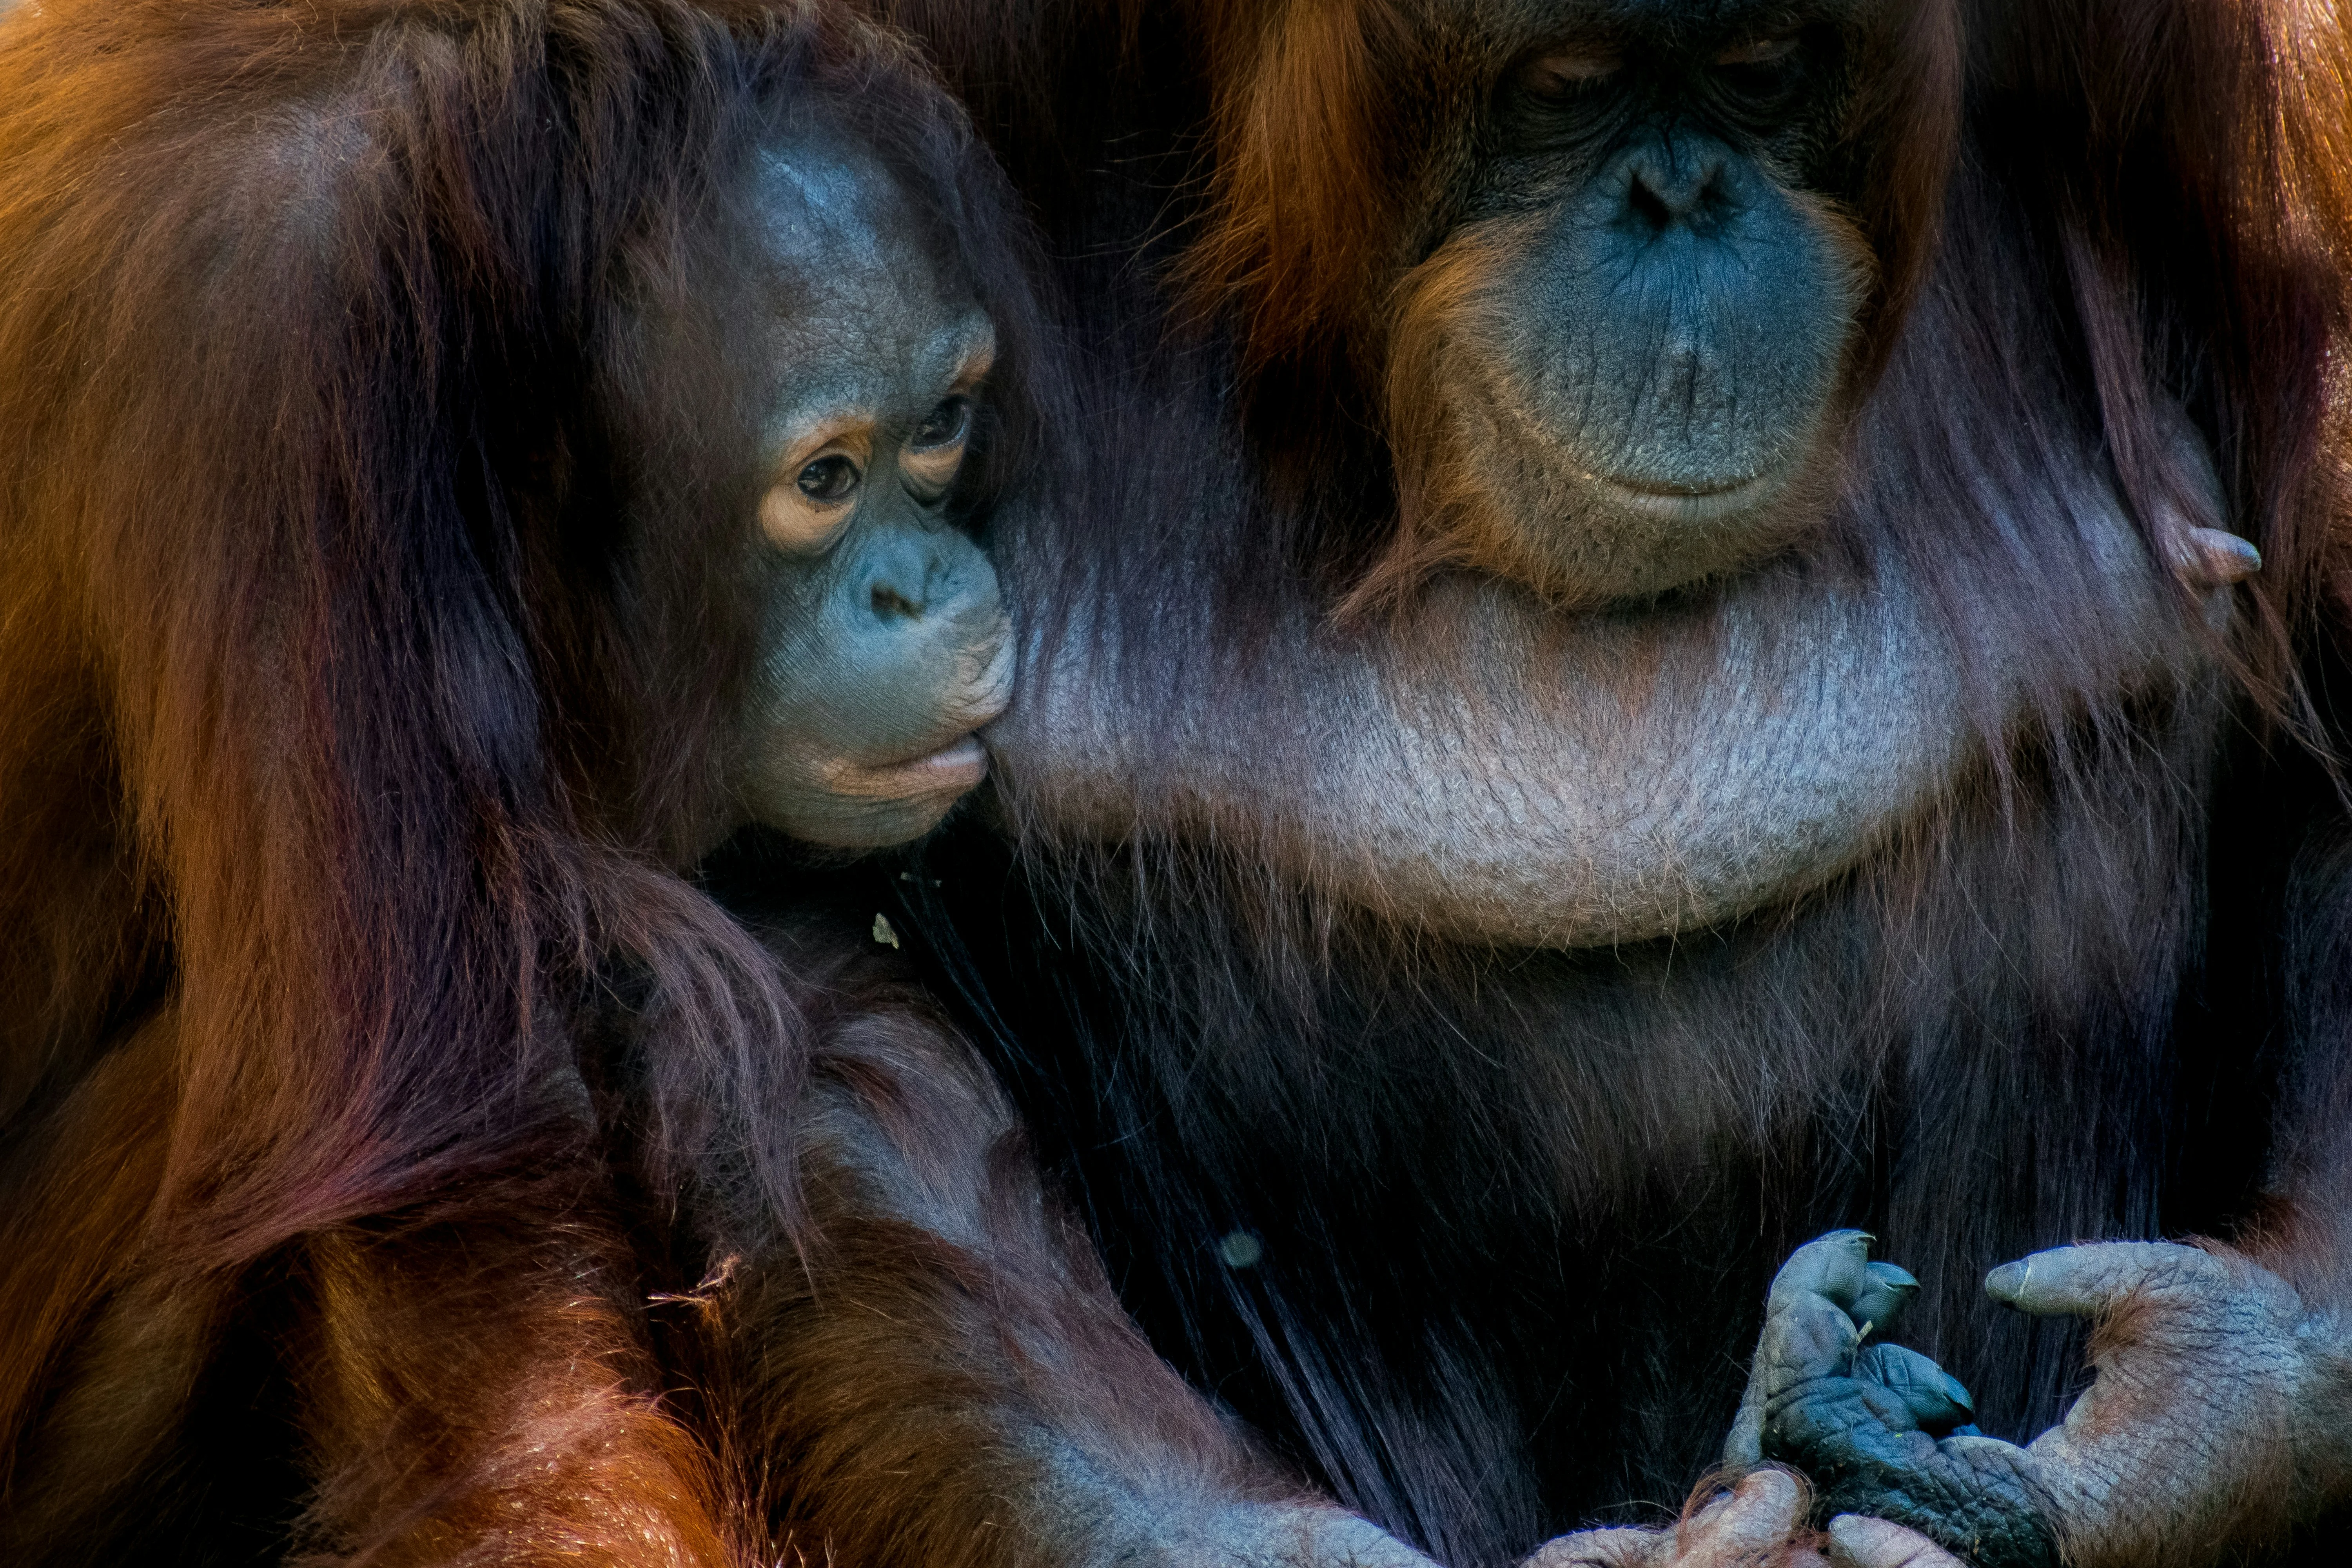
x,y
1883,1432
1761,1523
2221,1408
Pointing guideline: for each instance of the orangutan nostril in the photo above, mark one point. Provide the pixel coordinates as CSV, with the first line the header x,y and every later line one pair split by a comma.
x,y
889,604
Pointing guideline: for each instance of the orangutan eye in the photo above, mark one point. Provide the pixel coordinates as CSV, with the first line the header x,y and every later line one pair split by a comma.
x,y
829,479
1560,76
819,475
1762,53
945,426
935,451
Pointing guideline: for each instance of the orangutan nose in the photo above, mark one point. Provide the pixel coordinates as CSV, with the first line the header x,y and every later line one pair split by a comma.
x,y
1678,181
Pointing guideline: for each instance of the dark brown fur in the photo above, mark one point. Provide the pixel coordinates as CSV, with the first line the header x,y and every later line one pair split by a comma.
x,y
1519,1207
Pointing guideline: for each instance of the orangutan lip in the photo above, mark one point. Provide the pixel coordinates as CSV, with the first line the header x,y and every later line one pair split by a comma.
x,y
952,768
1691,503
1685,492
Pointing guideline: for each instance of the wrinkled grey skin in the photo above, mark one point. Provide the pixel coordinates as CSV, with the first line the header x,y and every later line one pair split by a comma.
x,y
1869,1428
890,653
1709,364
1789,729
1644,377
887,643
2217,1390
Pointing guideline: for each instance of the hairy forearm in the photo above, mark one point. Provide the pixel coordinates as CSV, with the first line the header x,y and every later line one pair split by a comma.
x,y
2302,1234
946,1377
2304,1239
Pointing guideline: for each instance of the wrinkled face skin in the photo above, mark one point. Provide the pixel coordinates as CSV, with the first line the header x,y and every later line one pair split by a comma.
x,y
1622,370
886,646
1686,630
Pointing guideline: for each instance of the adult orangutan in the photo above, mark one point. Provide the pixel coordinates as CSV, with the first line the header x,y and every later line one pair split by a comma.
x,y
457,462
1658,651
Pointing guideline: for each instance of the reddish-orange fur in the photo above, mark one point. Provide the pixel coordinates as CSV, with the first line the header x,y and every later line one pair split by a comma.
x,y
357,719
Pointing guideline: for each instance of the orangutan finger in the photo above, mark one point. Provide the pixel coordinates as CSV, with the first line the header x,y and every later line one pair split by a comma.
x,y
1604,1548
1882,1300
1759,1514
1856,1542
2090,1279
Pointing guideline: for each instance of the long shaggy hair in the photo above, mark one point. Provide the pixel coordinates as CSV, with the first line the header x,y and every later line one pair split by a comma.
x,y
359,717
1510,1211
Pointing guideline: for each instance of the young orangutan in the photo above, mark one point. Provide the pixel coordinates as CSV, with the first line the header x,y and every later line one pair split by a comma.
x,y
456,464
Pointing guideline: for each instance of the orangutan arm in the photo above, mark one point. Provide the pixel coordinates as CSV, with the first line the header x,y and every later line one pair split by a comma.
x,y
2221,1414
946,1372
97,1361
477,1389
